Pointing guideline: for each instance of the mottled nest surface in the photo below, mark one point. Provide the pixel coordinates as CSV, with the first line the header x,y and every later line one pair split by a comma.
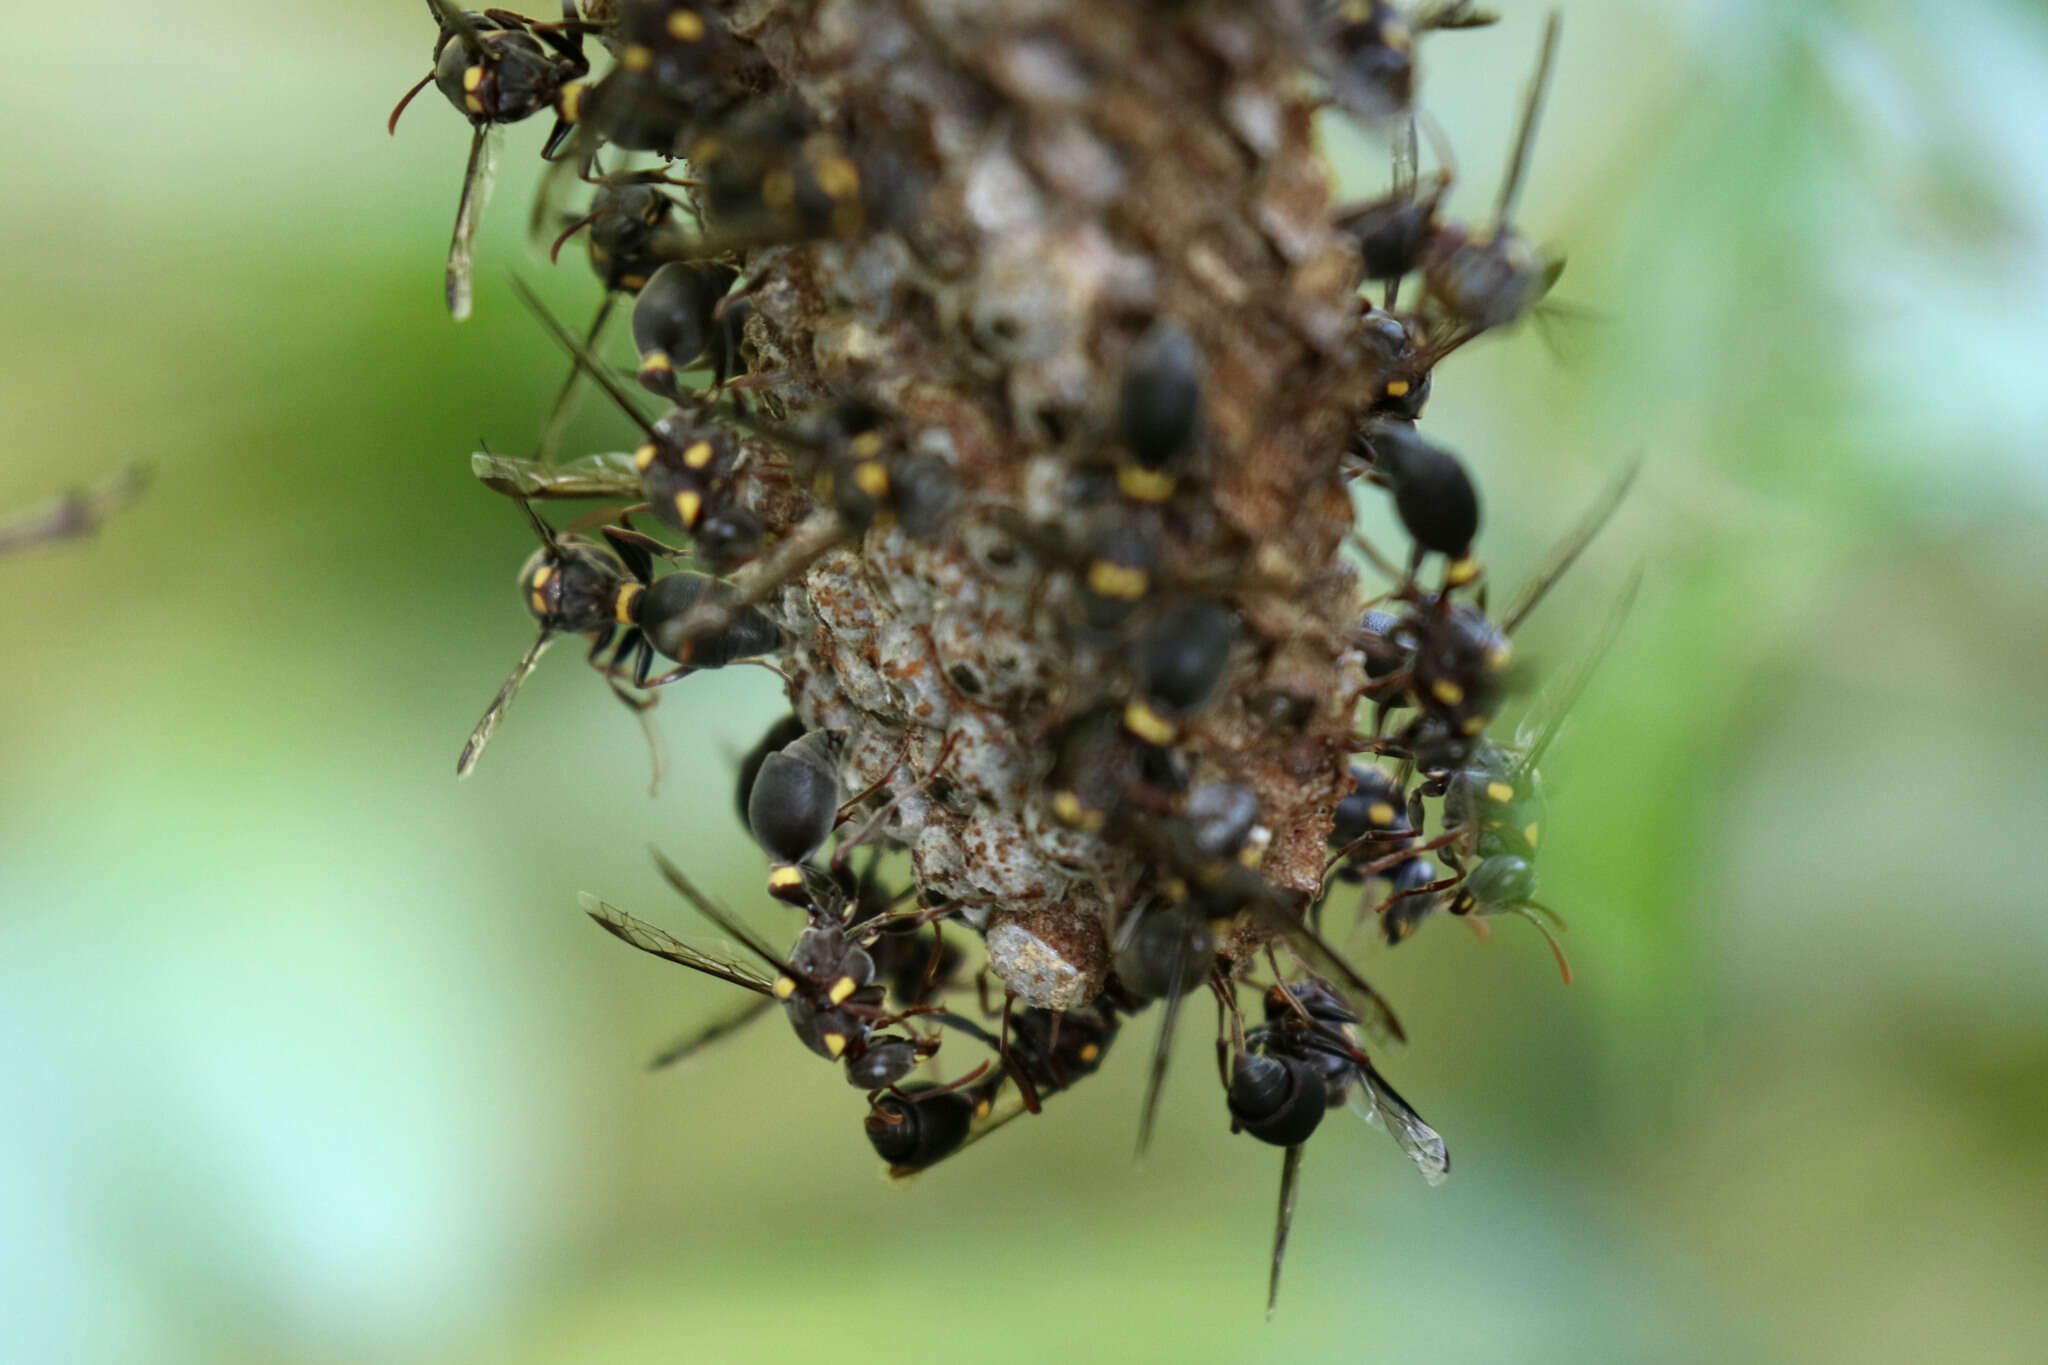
x,y
1090,167
1094,661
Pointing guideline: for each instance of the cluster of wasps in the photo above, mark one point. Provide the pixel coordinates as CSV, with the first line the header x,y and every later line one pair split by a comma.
x,y
1444,819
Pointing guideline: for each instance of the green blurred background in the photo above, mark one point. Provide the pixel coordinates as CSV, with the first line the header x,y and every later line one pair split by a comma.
x,y
307,1055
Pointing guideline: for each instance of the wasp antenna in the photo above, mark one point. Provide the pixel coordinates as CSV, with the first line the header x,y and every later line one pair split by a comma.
x,y
582,356
1531,113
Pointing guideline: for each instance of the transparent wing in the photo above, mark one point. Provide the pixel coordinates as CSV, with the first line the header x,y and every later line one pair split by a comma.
x,y
485,728
477,180
607,474
1379,1104
728,923
1375,1015
662,944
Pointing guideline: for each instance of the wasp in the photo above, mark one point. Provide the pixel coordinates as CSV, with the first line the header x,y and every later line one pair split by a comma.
x,y
496,68
1302,1062
574,586
825,983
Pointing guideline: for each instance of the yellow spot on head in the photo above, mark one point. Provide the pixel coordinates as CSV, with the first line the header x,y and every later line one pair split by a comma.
x,y
841,988
599,254
698,454
1476,724
685,26
785,987
654,362
1529,833
1397,388
1447,692
1147,724
1068,809
1123,582
636,58
629,595
689,506
540,577
871,478
631,283
1499,791
644,456
835,1043
778,189
1175,889
837,177
1254,851
1380,813
785,875
982,1107
1144,485
1090,1053
1459,572
866,446
472,103
472,77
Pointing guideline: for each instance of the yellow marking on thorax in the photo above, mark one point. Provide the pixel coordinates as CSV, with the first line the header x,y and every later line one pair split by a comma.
x,y
841,988
1067,808
1144,485
698,454
872,478
1447,692
837,177
689,506
628,596
685,26
1147,724
1107,578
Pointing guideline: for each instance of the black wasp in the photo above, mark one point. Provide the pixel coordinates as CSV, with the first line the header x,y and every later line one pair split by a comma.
x,y
1040,1053
1369,49
574,586
496,68
687,470
1449,659
1493,809
1205,877
1487,276
825,984
1302,1062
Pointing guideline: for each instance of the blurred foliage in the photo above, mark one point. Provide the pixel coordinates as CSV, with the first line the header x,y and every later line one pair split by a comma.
x,y
310,1056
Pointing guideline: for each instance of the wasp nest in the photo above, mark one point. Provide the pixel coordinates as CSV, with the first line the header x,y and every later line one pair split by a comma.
x,y
1038,370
